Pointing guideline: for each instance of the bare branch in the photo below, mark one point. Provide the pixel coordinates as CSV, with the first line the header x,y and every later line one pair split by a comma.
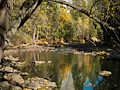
x,y
70,5
84,12
93,6
28,15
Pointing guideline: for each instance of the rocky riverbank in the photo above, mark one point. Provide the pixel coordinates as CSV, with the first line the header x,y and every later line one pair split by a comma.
x,y
11,78
77,49
24,47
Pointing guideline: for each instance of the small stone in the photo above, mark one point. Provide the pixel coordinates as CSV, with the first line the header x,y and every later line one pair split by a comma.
x,y
4,85
8,69
37,83
49,61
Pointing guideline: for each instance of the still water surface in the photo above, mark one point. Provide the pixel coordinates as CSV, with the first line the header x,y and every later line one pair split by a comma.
x,y
72,71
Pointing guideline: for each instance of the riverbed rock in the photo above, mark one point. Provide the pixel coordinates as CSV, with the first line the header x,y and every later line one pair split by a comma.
x,y
23,73
14,79
41,62
11,58
105,73
18,64
38,83
6,86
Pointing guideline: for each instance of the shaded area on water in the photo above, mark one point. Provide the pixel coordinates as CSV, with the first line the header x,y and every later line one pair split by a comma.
x,y
70,71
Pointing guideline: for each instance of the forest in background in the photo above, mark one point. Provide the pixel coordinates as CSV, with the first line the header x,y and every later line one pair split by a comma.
x,y
54,23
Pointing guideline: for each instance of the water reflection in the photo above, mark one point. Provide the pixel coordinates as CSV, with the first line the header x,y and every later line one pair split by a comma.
x,y
67,79
69,71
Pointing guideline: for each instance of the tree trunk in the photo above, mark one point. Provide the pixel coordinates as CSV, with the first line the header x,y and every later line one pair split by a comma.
x,y
2,40
34,34
5,6
37,37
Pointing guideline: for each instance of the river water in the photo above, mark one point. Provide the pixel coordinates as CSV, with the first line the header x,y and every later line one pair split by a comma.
x,y
72,71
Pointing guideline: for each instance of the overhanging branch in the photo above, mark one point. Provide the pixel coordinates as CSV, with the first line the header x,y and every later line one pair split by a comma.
x,y
80,9
25,11
28,15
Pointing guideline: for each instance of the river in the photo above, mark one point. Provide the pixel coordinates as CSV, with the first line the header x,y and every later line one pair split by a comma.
x,y
72,71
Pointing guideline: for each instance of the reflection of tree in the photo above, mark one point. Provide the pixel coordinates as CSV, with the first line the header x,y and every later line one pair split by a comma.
x,y
67,82
88,67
